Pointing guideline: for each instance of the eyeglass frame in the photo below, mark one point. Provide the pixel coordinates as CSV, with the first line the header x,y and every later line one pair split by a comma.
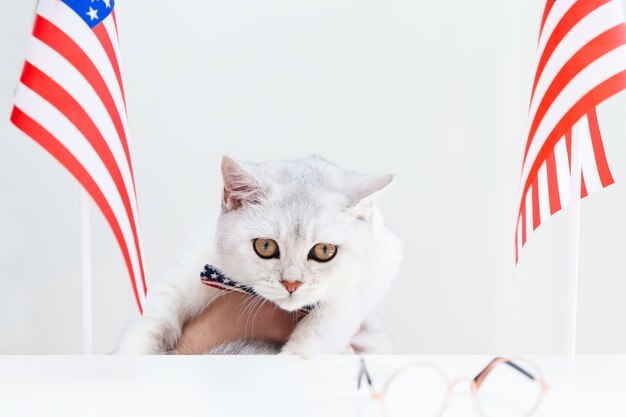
x,y
475,383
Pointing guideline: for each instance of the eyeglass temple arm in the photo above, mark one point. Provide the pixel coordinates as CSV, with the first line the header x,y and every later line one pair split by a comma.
x,y
478,380
363,372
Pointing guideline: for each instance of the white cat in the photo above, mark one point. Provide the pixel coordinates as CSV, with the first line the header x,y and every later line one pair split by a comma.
x,y
299,232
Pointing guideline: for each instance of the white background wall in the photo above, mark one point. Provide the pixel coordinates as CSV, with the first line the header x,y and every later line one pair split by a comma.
x,y
436,92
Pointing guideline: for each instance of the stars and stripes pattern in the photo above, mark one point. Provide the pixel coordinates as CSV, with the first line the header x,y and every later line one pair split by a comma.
x,y
213,277
70,99
581,62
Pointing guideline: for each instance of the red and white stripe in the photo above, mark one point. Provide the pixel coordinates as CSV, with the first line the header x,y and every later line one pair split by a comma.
x,y
70,99
581,62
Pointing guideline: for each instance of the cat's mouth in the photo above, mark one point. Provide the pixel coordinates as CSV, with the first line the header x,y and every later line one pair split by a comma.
x,y
302,297
290,302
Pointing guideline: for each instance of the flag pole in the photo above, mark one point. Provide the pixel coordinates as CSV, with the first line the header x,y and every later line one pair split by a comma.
x,y
571,301
85,272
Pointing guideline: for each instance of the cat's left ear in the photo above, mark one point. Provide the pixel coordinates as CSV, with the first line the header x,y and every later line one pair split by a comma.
x,y
363,192
240,187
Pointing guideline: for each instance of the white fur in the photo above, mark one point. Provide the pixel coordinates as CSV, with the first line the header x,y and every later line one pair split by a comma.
x,y
298,203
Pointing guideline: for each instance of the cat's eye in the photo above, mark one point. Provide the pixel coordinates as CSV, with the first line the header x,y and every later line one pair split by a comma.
x,y
323,252
266,248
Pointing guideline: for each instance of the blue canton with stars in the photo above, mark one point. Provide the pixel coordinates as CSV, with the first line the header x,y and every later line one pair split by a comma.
x,y
91,11
213,275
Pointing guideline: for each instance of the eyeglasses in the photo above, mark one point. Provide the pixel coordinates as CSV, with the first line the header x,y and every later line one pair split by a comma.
x,y
504,388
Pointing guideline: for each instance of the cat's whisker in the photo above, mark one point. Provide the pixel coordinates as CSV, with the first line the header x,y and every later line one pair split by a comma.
x,y
247,298
255,314
223,293
250,312
247,311
247,303
242,304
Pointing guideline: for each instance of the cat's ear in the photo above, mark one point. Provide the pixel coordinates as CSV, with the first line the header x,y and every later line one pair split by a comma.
x,y
363,191
240,186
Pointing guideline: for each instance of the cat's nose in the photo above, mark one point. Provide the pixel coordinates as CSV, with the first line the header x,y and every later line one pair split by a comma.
x,y
291,286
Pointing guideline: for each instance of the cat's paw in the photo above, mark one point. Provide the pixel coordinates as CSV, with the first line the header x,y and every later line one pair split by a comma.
x,y
128,349
288,351
306,351
304,354
135,344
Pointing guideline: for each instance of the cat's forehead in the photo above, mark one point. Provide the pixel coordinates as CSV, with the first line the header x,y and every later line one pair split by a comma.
x,y
309,224
305,204
300,214
304,199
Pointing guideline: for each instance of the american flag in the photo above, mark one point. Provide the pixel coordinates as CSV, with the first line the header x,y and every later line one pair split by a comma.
x,y
70,100
581,62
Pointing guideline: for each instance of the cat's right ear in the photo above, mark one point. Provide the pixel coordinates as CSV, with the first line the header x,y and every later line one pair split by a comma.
x,y
240,186
364,190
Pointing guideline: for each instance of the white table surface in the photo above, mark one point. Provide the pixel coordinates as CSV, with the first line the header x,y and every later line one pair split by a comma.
x,y
204,386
